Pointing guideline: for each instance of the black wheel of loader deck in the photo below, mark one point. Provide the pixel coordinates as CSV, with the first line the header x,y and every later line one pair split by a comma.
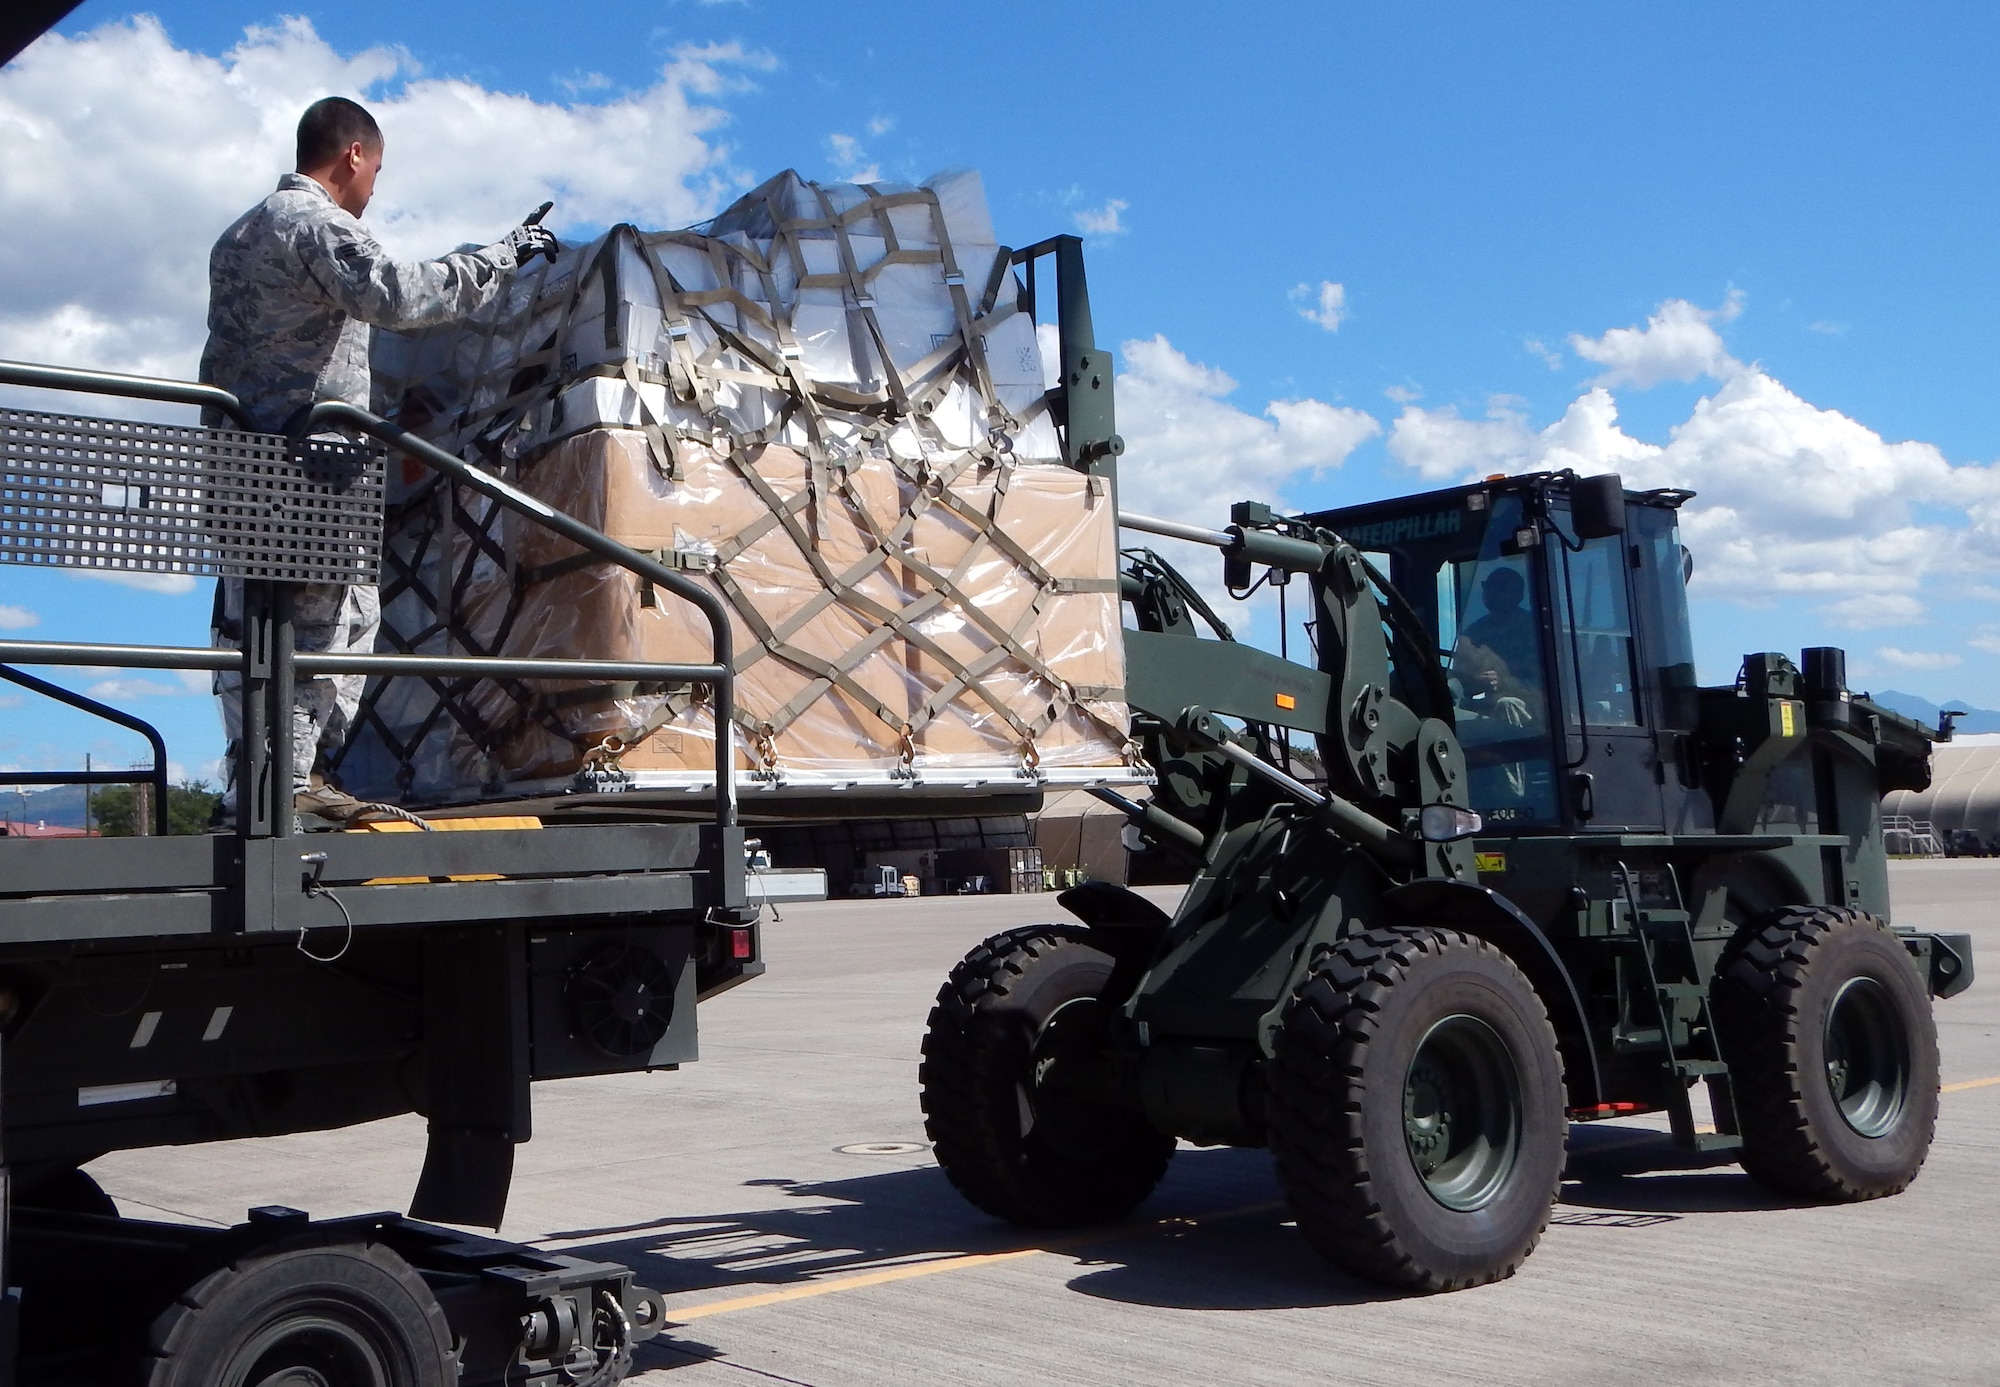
x,y
1832,1049
1012,1135
1416,1109
319,1315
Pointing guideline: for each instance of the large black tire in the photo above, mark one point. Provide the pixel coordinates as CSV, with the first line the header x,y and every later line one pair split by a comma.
x,y
333,1314
1416,1109
1016,1148
1832,1051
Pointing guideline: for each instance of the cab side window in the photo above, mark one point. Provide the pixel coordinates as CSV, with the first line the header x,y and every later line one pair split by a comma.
x,y
1597,627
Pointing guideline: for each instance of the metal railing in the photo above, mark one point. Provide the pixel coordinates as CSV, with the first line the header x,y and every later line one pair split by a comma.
x,y
156,776
1904,836
274,669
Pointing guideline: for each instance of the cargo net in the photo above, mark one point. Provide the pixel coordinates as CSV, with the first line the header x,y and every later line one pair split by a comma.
x,y
828,404
122,496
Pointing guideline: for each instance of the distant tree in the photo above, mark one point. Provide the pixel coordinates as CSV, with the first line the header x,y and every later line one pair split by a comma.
x,y
190,807
190,804
114,811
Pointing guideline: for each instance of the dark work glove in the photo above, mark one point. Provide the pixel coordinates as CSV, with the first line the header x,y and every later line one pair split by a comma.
x,y
531,239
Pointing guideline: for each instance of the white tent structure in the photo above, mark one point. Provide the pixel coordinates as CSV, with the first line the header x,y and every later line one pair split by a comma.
x,y
1964,790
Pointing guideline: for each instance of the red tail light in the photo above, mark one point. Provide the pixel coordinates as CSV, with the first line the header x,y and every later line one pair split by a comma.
x,y
739,943
1609,1110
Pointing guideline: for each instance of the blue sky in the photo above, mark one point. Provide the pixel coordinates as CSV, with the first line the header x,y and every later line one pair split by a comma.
x,y
1493,190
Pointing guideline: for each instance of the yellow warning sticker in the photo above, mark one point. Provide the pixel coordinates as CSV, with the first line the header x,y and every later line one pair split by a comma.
x,y
1287,701
1785,722
1490,861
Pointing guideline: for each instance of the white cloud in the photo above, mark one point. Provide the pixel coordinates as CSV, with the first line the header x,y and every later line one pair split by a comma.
x,y
1678,342
1543,352
1827,327
17,618
1440,443
1190,452
1326,305
110,269
881,125
119,690
1402,394
1917,659
167,584
1102,221
1792,499
1986,641
1871,611
850,161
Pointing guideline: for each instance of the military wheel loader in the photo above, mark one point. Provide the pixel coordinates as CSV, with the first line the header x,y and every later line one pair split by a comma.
x,y
1519,870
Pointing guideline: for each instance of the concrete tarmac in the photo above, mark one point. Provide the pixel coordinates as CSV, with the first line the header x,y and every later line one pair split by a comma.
x,y
781,1194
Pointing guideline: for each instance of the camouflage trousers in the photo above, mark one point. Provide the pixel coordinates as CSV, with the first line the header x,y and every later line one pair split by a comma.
x,y
326,617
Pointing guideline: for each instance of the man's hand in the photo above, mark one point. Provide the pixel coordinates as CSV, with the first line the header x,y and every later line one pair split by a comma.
x,y
531,239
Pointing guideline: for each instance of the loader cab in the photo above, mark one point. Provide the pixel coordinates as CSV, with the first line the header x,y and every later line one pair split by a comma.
x,y
1557,609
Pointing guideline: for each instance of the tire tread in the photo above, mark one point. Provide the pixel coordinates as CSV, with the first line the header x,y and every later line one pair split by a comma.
x,y
177,1334
1758,990
1316,1125
968,1055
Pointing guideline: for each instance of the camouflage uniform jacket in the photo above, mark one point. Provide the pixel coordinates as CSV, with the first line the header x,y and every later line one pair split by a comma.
x,y
293,288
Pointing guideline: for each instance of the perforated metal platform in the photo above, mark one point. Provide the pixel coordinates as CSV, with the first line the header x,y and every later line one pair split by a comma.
x,y
117,494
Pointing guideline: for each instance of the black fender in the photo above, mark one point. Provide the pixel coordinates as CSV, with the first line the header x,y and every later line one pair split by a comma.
x,y
1125,924
1107,905
1485,912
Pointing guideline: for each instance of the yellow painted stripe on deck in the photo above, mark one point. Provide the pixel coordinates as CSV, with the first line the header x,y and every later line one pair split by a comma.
x,y
467,825
1970,1083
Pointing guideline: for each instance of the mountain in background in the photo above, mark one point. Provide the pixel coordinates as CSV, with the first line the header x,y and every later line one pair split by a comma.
x,y
60,806
1924,711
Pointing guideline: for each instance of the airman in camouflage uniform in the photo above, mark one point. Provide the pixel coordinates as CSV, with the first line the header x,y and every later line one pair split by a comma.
x,y
295,288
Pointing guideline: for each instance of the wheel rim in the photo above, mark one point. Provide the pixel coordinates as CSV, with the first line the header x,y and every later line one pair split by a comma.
x,y
312,1348
1462,1111
1867,1056
1050,1110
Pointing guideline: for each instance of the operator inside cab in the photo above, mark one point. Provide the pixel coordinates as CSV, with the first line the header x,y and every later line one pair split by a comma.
x,y
296,287
1495,669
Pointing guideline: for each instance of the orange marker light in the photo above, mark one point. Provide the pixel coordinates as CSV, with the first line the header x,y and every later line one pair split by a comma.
x,y
1287,701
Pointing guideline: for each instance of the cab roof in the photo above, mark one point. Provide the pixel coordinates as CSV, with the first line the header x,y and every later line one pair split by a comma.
x,y
1537,483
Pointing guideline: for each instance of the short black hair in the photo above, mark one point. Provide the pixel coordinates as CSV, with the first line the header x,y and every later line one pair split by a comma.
x,y
329,126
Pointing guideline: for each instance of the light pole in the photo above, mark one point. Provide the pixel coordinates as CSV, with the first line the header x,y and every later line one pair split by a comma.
x,y
22,795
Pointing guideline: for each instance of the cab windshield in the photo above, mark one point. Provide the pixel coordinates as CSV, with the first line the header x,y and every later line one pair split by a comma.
x,y
1478,594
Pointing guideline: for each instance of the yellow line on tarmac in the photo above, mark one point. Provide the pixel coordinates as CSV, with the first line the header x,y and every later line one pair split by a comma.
x,y
937,1265
847,1283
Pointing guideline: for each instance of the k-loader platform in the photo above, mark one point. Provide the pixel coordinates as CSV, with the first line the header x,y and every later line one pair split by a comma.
x,y
161,990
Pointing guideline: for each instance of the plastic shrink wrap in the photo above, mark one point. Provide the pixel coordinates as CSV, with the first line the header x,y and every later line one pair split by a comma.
x,y
828,404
